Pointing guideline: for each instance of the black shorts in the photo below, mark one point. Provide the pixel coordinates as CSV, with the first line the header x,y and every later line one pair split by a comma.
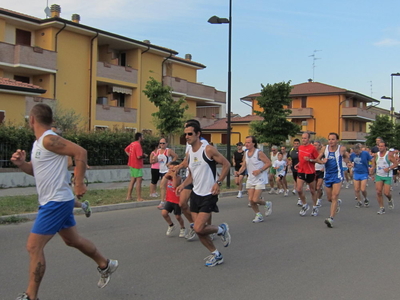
x,y
306,177
244,173
319,175
294,173
172,207
189,187
205,204
155,175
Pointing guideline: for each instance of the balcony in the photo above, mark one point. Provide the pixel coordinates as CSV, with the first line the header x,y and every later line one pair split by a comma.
x,y
301,113
27,60
116,114
354,136
358,114
196,91
115,72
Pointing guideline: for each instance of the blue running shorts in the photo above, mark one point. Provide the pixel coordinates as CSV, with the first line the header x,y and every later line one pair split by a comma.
x,y
54,216
360,177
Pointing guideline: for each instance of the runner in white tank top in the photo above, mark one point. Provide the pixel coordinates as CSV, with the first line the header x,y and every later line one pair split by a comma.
x,y
256,163
206,187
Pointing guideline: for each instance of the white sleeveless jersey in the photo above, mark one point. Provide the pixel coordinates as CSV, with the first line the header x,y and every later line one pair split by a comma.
x,y
383,163
253,163
203,171
163,160
51,173
274,157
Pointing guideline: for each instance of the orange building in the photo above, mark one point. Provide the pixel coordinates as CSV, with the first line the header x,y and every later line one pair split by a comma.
x,y
320,109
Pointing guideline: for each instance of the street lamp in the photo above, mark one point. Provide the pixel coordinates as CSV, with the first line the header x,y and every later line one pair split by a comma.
x,y
391,95
217,20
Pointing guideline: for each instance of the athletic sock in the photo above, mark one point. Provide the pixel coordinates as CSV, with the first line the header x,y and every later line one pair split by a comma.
x,y
220,230
216,252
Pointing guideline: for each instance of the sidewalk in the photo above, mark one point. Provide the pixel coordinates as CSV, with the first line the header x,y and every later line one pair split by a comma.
x,y
92,186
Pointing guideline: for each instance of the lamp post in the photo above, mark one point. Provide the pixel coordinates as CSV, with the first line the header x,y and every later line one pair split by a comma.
x,y
391,95
217,20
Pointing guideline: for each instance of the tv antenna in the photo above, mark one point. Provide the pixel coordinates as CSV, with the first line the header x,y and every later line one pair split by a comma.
x,y
47,10
314,59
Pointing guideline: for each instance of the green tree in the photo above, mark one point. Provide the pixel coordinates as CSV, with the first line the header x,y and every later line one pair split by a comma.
x,y
381,127
275,128
396,137
170,116
65,119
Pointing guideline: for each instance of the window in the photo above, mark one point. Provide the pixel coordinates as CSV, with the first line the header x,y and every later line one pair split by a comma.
x,y
2,115
355,103
100,128
22,37
23,79
130,129
360,128
122,59
303,102
120,99
346,125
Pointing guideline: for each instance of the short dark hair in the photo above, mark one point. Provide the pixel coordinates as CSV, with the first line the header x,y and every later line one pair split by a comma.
x,y
138,135
335,134
193,121
296,140
174,163
43,114
309,134
195,125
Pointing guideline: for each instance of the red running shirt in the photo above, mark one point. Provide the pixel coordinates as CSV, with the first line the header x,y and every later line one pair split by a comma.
x,y
304,166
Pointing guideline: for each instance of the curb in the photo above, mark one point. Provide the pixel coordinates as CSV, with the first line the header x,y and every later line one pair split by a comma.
x,y
105,208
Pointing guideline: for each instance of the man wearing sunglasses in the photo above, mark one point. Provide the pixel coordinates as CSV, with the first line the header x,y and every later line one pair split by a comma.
x,y
202,160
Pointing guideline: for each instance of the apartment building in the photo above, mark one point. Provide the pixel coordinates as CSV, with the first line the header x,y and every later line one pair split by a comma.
x,y
320,109
99,74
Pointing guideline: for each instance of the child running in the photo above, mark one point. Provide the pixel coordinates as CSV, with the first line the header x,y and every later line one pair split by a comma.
x,y
280,167
172,201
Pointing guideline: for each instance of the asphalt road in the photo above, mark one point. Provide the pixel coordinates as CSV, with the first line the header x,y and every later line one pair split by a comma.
x,y
285,257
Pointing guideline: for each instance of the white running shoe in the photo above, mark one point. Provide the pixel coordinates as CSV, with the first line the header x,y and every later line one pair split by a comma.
x,y
259,218
339,202
304,210
329,222
294,191
381,211
280,191
182,232
299,202
170,230
315,211
213,260
239,195
391,204
105,275
191,234
268,208
319,203
286,193
276,191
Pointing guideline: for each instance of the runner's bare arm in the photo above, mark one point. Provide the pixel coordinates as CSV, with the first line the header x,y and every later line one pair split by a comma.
x,y
18,158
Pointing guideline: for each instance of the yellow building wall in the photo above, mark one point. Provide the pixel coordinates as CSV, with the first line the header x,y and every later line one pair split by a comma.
x,y
239,133
73,83
14,107
45,81
187,73
2,30
216,137
45,38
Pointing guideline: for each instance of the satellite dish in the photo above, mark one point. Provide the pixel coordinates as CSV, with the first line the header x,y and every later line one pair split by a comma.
x,y
47,12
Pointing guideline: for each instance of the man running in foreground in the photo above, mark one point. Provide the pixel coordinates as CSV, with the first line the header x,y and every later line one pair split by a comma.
x,y
48,164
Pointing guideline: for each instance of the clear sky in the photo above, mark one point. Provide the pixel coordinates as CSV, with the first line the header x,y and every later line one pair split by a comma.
x,y
358,41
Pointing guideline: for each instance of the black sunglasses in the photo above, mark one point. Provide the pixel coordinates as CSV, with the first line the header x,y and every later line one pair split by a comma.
x,y
162,143
189,133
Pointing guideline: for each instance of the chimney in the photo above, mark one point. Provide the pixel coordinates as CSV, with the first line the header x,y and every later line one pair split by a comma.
x,y
55,10
188,56
147,41
76,18
309,80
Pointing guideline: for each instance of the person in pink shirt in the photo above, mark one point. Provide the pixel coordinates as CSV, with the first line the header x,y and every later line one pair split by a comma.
x,y
135,163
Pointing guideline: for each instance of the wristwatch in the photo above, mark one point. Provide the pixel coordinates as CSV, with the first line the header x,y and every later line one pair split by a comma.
x,y
219,183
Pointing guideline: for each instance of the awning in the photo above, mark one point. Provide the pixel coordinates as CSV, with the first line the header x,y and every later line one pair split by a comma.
x,y
122,90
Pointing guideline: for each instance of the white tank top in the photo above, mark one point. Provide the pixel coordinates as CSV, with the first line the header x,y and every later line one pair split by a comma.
x,y
383,163
254,163
163,160
51,173
203,171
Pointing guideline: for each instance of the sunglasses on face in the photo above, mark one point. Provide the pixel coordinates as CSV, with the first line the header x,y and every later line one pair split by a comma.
x,y
189,133
162,143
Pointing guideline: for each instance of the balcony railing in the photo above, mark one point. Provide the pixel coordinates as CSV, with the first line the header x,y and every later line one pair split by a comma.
x,y
306,112
353,135
358,114
116,114
115,72
26,57
196,90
